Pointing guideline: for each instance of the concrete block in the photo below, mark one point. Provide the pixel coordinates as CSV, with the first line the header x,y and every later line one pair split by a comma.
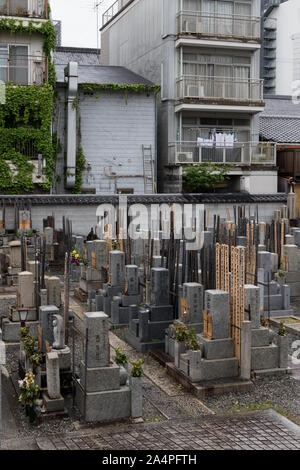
x,y
105,406
101,378
216,348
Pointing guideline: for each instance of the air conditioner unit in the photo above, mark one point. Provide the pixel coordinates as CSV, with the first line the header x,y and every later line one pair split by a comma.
x,y
184,157
192,91
198,27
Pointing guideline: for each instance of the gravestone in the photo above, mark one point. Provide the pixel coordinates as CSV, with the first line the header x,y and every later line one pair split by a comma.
x,y
159,287
26,289
193,295
104,398
47,314
53,291
217,306
117,268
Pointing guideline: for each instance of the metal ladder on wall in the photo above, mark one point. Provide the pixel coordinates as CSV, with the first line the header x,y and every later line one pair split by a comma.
x,y
149,175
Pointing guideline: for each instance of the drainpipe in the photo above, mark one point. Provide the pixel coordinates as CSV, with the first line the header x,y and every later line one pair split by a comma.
x,y
71,73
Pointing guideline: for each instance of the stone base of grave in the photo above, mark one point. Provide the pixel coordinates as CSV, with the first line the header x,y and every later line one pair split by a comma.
x,y
204,389
53,405
217,348
64,356
31,315
90,286
212,369
106,406
100,379
269,372
7,301
80,295
10,330
278,313
141,346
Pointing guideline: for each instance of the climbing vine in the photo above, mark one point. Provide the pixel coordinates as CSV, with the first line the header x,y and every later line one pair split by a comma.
x,y
25,126
46,29
80,162
138,88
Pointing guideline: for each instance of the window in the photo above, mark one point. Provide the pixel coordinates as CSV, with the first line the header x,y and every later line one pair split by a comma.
x,y
14,64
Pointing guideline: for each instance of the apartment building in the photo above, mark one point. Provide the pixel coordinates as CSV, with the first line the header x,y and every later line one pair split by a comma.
x,y
205,54
27,40
280,58
22,60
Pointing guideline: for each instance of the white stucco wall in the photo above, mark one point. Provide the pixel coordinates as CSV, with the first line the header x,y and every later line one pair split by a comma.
x,y
288,25
113,130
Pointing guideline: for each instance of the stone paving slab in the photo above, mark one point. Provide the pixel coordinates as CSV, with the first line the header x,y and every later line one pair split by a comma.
x,y
263,430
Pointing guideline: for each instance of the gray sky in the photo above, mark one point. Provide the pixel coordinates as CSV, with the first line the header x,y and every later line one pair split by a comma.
x,y
79,20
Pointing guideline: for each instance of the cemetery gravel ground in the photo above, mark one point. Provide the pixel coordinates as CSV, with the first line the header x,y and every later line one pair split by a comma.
x,y
164,399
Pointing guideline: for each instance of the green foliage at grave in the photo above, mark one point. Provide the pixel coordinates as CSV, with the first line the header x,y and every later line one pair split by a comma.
x,y
282,330
35,357
181,333
191,342
137,369
121,358
203,176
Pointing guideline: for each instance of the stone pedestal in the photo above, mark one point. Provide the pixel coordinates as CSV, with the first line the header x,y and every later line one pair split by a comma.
x,y
136,387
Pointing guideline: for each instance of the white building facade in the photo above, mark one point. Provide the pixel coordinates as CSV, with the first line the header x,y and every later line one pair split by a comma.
x,y
205,54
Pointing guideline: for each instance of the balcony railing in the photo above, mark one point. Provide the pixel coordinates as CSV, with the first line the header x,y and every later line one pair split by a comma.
x,y
24,69
193,87
113,10
234,26
24,8
235,153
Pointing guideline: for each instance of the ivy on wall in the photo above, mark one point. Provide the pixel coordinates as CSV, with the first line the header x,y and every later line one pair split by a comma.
x,y
45,28
26,117
25,123
138,88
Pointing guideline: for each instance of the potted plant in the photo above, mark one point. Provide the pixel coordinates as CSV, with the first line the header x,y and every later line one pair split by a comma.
x,y
30,392
136,388
194,353
283,345
180,335
121,360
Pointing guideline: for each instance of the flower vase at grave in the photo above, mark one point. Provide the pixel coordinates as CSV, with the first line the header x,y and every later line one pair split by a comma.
x,y
31,414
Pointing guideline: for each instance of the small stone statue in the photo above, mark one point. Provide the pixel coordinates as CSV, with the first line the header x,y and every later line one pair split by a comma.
x,y
58,332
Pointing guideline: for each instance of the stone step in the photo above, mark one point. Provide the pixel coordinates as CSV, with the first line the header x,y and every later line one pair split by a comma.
x,y
265,357
216,348
276,302
211,370
260,337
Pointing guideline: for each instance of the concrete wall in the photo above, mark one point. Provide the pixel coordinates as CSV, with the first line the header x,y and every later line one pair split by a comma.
x,y
83,216
287,54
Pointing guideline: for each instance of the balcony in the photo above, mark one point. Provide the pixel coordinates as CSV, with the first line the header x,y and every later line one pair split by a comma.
x,y
234,153
238,27
113,10
24,8
219,90
24,69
